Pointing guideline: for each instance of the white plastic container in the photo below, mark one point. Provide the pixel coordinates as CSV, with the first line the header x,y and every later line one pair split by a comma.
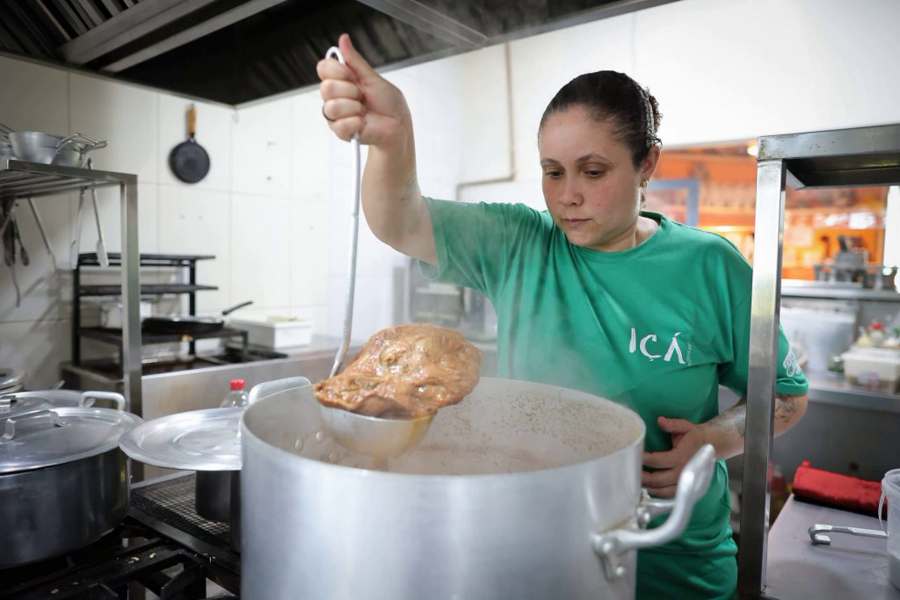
x,y
873,367
276,332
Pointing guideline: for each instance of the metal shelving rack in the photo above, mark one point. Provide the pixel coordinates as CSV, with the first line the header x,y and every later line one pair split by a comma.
x,y
844,157
21,179
187,262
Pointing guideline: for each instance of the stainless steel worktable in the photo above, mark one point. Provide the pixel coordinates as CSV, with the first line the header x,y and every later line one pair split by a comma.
x,y
851,567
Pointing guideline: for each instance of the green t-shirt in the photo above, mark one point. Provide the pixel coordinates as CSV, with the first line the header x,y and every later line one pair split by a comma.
x,y
657,327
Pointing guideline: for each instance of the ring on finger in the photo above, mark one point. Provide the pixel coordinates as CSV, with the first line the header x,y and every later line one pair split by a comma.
x,y
327,118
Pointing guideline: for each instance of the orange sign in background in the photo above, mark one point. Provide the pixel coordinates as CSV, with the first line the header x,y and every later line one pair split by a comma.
x,y
814,218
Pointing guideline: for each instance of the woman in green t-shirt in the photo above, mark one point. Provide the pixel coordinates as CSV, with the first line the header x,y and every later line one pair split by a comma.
x,y
592,294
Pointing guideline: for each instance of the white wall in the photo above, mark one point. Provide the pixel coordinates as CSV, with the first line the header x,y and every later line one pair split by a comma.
x,y
263,223
721,70
275,207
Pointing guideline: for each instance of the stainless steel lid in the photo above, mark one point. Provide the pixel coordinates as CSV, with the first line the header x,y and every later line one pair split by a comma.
x,y
52,435
19,402
196,440
13,404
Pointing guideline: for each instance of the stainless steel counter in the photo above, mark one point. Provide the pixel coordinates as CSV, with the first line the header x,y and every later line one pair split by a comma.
x,y
832,388
815,289
851,567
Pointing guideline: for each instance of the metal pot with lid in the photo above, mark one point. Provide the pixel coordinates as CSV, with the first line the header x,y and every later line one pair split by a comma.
x,y
63,480
522,490
206,441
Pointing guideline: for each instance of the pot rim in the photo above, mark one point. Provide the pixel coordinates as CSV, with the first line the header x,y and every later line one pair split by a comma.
x,y
440,478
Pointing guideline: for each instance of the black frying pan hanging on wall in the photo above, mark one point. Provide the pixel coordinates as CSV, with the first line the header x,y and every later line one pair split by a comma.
x,y
188,160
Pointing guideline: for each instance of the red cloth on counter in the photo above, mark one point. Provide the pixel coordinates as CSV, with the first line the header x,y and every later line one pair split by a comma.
x,y
834,489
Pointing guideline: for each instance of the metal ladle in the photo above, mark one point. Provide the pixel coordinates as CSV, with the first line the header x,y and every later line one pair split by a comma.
x,y
374,436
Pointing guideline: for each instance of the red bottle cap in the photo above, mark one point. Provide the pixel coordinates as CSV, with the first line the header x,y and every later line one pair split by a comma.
x,y
236,385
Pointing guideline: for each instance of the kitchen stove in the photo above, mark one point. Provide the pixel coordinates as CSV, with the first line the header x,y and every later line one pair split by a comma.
x,y
162,549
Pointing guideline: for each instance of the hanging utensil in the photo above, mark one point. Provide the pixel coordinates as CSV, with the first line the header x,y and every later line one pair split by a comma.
x,y
75,246
9,208
23,252
8,242
5,130
43,232
102,257
188,160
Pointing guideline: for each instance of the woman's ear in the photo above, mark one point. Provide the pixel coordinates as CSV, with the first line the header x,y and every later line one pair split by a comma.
x,y
648,165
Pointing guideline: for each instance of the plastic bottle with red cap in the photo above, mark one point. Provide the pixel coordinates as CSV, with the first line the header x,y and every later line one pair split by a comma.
x,y
237,397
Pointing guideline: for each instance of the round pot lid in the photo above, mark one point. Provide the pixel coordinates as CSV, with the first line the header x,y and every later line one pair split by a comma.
x,y
19,402
196,440
52,435
13,404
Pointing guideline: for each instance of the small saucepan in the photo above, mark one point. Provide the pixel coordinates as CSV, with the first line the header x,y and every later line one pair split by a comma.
x,y
188,325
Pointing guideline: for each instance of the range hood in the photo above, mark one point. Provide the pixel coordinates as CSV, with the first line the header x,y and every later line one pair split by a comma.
x,y
239,51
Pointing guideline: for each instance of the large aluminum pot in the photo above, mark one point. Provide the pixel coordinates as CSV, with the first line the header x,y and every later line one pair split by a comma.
x,y
520,491
63,479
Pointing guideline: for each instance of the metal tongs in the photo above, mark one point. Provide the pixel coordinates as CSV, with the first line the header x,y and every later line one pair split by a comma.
x,y
102,256
5,130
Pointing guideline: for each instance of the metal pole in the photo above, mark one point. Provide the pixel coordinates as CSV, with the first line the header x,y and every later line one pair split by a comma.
x,y
76,312
764,311
131,295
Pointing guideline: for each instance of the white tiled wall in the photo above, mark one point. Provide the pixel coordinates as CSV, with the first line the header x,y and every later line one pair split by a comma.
x,y
275,207
266,220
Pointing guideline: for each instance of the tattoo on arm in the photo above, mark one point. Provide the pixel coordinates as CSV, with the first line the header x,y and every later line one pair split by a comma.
x,y
727,430
785,409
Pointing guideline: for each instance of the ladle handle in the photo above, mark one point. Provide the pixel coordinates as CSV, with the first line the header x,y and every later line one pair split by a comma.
x,y
692,485
817,533
341,355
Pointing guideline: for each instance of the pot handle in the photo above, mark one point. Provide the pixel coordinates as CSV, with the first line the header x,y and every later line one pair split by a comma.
x,y
10,423
87,399
80,138
268,388
692,485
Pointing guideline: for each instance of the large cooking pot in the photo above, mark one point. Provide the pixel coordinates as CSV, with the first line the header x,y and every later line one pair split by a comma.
x,y
63,479
520,491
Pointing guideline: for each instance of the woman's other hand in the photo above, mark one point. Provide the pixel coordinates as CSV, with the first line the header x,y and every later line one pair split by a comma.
x,y
687,438
357,100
